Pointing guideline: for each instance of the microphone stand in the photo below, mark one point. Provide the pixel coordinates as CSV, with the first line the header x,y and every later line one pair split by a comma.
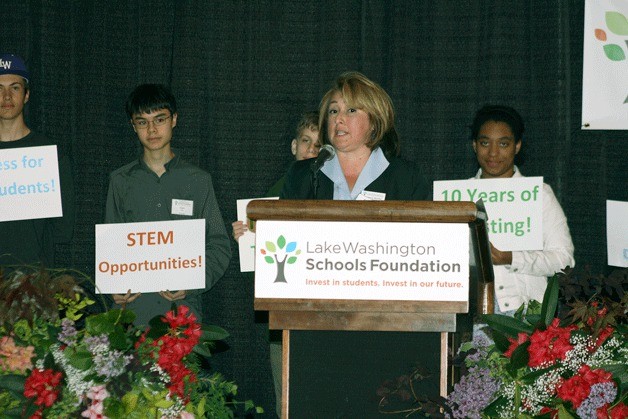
x,y
315,179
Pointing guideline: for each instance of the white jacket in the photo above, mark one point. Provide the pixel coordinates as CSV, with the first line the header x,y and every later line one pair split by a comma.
x,y
526,278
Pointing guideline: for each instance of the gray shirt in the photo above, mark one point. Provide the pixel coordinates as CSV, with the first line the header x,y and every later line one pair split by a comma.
x,y
137,194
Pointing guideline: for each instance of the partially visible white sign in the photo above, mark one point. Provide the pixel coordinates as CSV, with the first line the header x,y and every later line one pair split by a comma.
x,y
514,207
617,233
605,65
246,242
29,183
150,257
362,261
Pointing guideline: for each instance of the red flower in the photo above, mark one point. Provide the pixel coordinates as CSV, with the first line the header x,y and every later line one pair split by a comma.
x,y
42,384
577,388
604,334
521,338
620,411
183,335
548,410
548,346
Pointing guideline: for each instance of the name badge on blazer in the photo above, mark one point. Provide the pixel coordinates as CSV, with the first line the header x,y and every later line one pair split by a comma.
x,y
182,207
371,196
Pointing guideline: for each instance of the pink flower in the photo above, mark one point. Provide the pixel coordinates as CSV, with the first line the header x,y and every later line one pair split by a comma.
x,y
14,358
98,393
95,411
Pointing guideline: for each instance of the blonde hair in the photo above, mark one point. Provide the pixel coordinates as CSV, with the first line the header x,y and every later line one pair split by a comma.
x,y
360,92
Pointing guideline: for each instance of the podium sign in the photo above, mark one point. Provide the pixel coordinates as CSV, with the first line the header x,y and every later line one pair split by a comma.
x,y
362,260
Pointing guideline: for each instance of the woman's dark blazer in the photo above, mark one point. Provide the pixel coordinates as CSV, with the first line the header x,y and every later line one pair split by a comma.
x,y
401,181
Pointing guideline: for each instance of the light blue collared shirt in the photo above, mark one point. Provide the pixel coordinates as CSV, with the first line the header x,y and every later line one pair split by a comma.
x,y
374,167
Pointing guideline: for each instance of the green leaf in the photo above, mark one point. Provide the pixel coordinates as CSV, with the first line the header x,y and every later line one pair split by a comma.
x,y
81,360
99,324
248,405
501,341
614,52
507,325
157,327
550,301
281,242
617,23
563,413
202,350
520,356
270,246
13,382
291,260
118,339
200,409
268,259
493,409
213,333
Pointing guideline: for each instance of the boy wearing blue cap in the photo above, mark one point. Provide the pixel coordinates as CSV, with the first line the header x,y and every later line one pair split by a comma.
x,y
29,241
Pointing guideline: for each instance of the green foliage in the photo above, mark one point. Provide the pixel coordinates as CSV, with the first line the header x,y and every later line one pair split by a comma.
x,y
135,390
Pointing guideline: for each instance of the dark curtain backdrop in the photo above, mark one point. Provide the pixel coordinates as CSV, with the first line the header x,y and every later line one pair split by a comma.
x,y
244,70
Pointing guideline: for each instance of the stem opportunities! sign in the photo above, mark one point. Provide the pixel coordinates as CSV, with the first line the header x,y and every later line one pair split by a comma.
x,y
514,207
150,257
362,260
29,183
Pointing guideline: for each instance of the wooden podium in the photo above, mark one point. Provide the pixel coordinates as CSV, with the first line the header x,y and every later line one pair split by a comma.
x,y
315,322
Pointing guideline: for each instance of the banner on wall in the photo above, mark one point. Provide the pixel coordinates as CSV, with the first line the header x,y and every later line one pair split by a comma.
x,y
605,65
617,233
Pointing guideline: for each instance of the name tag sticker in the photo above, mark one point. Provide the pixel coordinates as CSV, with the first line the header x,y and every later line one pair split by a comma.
x,y
182,207
371,196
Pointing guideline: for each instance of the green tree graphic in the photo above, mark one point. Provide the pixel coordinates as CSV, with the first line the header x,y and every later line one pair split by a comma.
x,y
270,255
617,24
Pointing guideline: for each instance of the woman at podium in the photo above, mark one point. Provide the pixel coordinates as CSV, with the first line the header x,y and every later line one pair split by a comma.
x,y
356,117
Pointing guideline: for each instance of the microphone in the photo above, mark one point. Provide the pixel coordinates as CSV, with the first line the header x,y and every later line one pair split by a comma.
x,y
327,153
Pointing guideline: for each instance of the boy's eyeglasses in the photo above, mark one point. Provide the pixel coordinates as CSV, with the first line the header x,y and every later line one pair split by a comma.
x,y
143,123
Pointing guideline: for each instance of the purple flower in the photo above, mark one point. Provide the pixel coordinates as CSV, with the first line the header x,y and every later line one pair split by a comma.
x,y
466,401
68,332
600,394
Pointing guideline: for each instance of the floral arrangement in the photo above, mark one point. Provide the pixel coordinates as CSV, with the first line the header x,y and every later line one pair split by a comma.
x,y
541,366
57,360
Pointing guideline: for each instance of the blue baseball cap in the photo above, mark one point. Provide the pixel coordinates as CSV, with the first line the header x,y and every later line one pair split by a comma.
x,y
12,64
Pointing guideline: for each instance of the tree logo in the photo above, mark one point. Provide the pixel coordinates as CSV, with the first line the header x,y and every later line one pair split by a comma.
x,y
272,250
617,24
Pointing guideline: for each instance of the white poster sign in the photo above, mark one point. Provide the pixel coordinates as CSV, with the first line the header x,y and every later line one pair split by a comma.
x,y
150,257
605,65
29,183
514,207
617,233
362,261
246,242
